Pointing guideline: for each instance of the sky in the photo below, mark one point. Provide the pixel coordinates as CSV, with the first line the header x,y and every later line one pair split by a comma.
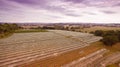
x,y
52,11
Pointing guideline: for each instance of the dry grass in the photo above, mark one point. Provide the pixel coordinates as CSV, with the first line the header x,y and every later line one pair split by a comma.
x,y
112,65
32,45
62,59
113,49
65,58
100,28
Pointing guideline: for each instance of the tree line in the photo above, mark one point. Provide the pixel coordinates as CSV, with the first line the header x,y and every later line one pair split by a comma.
x,y
7,29
110,37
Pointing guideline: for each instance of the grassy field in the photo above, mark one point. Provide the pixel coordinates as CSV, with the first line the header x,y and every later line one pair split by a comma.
x,y
39,40
32,45
112,49
65,58
30,30
99,28
5,35
113,65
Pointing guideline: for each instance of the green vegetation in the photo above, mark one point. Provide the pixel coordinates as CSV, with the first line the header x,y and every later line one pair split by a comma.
x,y
98,33
30,30
110,40
7,29
109,37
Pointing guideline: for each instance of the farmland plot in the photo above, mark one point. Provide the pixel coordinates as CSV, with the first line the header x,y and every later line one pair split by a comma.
x,y
26,47
87,61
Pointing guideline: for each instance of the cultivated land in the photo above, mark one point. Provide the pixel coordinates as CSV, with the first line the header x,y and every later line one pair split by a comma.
x,y
29,30
26,47
99,28
55,48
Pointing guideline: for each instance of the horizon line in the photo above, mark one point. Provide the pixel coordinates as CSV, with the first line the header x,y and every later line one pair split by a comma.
x,y
64,22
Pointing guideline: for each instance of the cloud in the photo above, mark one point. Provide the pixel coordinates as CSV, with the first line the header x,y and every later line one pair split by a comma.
x,y
59,10
75,1
96,3
109,12
118,4
25,1
73,15
89,13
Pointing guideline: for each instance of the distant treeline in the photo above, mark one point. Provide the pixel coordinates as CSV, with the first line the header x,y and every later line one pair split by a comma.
x,y
7,29
109,37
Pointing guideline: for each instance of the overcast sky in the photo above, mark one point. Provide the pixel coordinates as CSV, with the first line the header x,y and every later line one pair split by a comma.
x,y
101,11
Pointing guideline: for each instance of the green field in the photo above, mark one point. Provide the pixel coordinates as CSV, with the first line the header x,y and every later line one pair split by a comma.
x,y
30,30
7,34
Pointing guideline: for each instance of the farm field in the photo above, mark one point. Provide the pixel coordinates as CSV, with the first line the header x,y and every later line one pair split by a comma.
x,y
96,59
104,57
23,48
59,33
99,28
29,30
64,58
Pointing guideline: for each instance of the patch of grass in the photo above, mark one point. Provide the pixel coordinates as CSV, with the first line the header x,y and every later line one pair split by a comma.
x,y
113,49
68,36
30,30
5,35
99,28
113,65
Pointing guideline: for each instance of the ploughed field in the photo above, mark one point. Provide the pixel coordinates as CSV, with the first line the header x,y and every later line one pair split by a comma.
x,y
23,48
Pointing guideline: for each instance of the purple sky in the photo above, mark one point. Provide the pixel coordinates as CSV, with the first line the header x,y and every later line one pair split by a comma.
x,y
105,11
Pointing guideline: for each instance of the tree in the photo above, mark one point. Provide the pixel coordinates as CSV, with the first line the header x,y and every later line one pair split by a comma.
x,y
98,33
110,32
6,29
14,26
1,30
110,40
118,35
109,37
